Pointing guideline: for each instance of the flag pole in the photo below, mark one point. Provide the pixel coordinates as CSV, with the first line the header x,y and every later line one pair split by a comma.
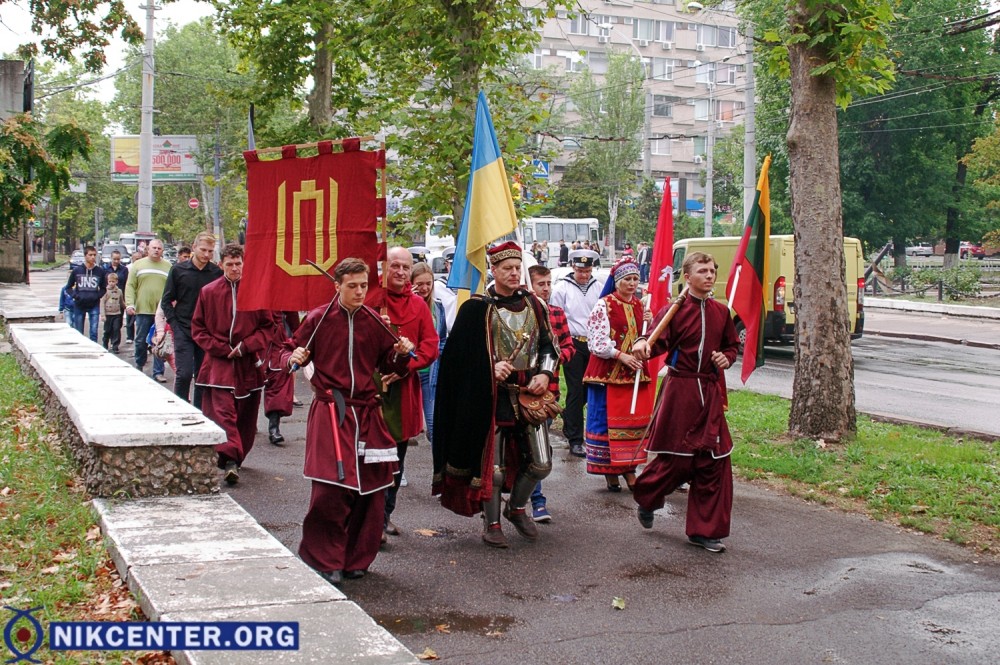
x,y
638,375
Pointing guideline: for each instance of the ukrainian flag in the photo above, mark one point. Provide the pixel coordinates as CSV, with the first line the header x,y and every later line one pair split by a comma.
x,y
489,210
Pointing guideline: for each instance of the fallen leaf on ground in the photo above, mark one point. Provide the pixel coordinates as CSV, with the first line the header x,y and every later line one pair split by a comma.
x,y
430,533
428,654
51,570
94,532
442,628
495,633
6,491
64,556
618,603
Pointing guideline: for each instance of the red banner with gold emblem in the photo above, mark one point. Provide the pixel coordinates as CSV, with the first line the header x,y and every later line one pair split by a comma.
x,y
322,208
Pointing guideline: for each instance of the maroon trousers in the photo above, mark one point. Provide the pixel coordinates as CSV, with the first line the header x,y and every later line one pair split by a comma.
x,y
342,529
279,391
237,417
710,499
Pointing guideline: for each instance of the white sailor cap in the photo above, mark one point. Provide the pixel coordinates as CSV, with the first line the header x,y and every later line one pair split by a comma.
x,y
583,258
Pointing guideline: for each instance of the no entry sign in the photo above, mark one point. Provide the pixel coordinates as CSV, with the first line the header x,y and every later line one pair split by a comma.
x,y
193,204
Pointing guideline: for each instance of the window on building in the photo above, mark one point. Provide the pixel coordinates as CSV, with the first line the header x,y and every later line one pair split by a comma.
x,y
706,35
597,62
644,28
701,109
579,25
700,143
575,61
663,105
725,73
535,58
665,31
663,69
728,111
725,37
705,73
659,146
602,25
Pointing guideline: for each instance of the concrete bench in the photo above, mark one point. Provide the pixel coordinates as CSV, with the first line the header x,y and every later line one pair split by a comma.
x,y
206,559
19,304
130,435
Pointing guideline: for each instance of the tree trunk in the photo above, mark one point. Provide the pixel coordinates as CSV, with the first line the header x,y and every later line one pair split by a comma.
x,y
823,387
321,97
613,202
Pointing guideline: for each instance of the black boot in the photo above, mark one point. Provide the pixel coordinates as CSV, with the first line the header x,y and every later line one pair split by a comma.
x,y
273,433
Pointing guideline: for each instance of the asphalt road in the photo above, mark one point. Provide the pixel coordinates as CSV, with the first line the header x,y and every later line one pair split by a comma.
x,y
801,583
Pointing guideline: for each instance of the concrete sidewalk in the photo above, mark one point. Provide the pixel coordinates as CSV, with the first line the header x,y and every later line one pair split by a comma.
x,y
933,322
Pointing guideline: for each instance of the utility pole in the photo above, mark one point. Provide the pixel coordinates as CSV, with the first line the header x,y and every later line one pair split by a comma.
x,y
709,148
217,173
647,133
749,132
145,212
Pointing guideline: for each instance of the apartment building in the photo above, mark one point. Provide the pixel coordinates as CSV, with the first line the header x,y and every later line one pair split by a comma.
x,y
695,73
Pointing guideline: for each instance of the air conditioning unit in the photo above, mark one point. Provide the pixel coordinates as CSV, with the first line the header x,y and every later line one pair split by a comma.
x,y
603,40
699,47
643,42
697,159
667,46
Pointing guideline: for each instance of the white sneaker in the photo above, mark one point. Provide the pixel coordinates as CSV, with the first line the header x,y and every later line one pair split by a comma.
x,y
402,482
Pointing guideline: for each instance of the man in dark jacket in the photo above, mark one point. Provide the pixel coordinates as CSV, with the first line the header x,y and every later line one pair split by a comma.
x,y
180,295
86,285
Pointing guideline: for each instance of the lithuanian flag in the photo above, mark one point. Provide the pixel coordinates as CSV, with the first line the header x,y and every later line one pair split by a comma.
x,y
489,209
748,276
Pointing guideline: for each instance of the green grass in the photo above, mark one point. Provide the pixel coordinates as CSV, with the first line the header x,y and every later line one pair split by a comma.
x,y
51,551
919,478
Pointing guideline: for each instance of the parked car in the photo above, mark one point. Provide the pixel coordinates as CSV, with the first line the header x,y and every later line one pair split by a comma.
x,y
920,249
112,247
968,250
76,258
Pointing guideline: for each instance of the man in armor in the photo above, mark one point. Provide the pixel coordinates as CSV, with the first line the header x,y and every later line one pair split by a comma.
x,y
499,356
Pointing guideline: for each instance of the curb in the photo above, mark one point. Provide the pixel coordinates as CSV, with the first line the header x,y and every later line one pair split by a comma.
x,y
946,429
908,306
934,338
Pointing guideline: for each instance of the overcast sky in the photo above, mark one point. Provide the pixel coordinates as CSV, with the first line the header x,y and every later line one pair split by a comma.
x,y
15,28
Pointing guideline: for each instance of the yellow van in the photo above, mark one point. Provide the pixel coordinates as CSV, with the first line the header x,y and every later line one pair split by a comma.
x,y
779,323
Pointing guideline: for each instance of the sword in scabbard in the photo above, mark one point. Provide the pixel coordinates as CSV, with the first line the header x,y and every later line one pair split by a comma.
x,y
367,310
338,409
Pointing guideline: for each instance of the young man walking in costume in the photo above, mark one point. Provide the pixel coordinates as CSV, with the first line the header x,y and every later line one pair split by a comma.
x,y
350,455
689,434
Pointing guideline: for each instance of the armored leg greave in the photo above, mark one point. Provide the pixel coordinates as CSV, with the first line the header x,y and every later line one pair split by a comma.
x,y
535,471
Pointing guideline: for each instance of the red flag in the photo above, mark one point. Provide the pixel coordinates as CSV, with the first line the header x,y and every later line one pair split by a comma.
x,y
661,269
748,276
322,208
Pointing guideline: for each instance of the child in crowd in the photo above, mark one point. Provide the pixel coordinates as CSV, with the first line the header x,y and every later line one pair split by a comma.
x,y
113,309
66,304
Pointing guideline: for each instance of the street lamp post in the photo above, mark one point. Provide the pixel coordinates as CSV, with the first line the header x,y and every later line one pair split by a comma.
x,y
709,172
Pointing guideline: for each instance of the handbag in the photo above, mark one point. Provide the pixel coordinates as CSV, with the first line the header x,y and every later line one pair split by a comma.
x,y
537,409
165,347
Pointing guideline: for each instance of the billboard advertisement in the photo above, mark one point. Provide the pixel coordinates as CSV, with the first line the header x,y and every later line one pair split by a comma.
x,y
173,159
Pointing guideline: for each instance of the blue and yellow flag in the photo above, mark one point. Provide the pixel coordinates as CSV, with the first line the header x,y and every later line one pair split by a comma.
x,y
489,210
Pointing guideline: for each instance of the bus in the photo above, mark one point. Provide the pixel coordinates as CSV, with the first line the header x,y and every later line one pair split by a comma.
x,y
555,229
133,241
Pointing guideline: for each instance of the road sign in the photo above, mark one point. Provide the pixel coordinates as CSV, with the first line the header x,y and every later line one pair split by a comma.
x,y
193,204
541,168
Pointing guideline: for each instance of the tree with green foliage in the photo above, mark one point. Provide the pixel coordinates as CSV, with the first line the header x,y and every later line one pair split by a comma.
x,y
639,221
611,116
830,52
34,163
577,194
412,71
67,26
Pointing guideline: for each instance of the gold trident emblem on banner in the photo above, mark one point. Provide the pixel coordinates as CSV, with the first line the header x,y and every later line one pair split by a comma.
x,y
308,192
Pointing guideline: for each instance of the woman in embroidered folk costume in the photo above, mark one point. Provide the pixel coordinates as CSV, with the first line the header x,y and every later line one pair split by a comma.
x,y
613,433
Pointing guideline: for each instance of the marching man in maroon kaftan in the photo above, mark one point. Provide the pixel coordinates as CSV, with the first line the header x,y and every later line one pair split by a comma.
x,y
689,435
350,455
231,375
402,402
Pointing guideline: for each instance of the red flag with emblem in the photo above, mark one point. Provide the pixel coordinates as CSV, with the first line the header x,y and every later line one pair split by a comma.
x,y
322,208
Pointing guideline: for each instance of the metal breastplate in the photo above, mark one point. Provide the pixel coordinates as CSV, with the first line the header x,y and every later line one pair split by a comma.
x,y
515,333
